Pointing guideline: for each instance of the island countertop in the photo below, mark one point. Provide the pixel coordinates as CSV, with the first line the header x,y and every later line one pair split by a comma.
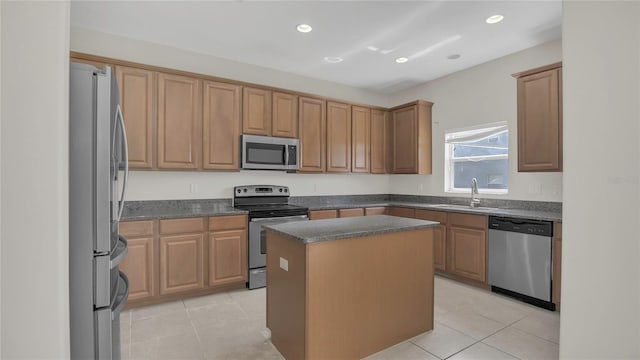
x,y
344,228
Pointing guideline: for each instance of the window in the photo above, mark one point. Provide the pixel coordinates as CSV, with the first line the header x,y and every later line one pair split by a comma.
x,y
481,153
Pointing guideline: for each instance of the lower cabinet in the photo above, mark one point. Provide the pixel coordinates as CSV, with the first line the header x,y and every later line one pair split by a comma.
x,y
351,212
467,246
439,236
323,214
379,210
176,258
400,211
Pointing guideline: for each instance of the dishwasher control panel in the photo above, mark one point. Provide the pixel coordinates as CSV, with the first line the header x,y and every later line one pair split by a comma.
x,y
524,226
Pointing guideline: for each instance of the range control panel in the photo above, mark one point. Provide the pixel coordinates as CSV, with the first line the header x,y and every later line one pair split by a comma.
x,y
260,190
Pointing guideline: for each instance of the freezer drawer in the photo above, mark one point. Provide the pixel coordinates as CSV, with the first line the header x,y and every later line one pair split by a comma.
x,y
107,323
106,274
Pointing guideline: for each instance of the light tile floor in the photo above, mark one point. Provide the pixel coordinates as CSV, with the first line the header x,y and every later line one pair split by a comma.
x,y
469,324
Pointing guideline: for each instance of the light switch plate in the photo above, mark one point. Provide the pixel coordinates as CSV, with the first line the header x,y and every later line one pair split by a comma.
x,y
284,264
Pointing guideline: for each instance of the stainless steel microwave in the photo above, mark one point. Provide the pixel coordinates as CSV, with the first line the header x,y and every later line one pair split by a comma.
x,y
270,153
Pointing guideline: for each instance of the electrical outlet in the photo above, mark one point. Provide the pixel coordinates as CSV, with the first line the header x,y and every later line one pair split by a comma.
x,y
193,188
420,187
284,264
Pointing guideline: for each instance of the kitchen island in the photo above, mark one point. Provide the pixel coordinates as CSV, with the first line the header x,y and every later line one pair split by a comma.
x,y
350,287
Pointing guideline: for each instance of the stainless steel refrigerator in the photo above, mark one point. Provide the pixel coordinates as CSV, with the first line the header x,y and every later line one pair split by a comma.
x,y
97,166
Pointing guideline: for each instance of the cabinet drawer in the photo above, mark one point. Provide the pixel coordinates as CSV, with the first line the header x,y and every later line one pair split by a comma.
x,y
179,226
323,214
351,212
136,228
439,216
375,211
401,212
228,222
469,221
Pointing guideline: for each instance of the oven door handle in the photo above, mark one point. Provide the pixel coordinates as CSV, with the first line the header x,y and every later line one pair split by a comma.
x,y
283,218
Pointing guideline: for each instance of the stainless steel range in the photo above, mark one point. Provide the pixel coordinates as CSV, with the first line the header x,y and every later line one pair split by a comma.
x,y
267,205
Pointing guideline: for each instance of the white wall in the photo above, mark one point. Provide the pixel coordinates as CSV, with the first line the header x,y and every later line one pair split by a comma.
x,y
483,94
34,184
600,316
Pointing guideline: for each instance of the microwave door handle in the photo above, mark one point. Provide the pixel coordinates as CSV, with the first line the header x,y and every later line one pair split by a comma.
x,y
286,155
125,180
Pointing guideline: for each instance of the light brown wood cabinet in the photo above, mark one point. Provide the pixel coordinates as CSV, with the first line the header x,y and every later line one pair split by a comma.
x,y
411,138
351,212
557,264
401,211
467,246
227,250
179,122
139,265
439,236
540,119
285,115
338,137
378,210
221,128
323,214
378,148
313,134
137,99
360,139
181,255
256,111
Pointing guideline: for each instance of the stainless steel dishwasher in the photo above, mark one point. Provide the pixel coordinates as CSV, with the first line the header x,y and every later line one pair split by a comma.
x,y
520,259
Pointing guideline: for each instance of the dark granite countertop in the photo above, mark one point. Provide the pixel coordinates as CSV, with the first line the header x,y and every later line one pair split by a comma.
x,y
344,228
168,209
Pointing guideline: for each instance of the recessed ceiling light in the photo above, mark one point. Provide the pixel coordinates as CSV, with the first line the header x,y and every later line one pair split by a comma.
x,y
401,60
494,19
372,48
333,59
304,28
453,56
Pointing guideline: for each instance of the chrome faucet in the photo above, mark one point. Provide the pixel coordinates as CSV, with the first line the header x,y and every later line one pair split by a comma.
x,y
475,202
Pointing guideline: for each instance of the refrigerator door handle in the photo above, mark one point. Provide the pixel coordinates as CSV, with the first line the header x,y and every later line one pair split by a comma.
x,y
126,162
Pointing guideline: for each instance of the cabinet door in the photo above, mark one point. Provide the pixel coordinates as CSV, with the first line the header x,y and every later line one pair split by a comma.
x,y
378,141
256,111
539,122
312,128
139,267
467,256
338,137
404,130
181,259
401,211
137,98
323,214
285,115
360,139
179,122
351,212
557,264
221,129
227,257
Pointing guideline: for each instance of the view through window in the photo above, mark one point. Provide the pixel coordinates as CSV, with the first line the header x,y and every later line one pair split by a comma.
x,y
481,153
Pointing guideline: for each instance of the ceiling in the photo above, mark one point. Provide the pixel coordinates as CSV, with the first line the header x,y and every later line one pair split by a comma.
x,y
367,35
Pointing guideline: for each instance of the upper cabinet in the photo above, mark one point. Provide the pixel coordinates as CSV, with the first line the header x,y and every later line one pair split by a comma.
x,y
540,119
360,139
411,138
179,122
338,137
284,120
313,136
137,101
379,141
221,127
256,111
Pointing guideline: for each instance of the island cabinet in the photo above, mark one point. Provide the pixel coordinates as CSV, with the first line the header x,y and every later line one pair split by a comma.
x,y
179,122
379,141
256,111
540,118
181,255
137,99
557,264
140,265
348,297
313,134
467,246
411,138
227,250
360,139
338,137
439,236
222,126
284,119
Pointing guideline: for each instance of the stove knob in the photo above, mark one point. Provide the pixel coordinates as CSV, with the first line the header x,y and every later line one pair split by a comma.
x,y
286,190
280,189
245,190
239,191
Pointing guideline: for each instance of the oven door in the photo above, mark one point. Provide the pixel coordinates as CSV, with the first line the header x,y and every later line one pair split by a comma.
x,y
258,240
